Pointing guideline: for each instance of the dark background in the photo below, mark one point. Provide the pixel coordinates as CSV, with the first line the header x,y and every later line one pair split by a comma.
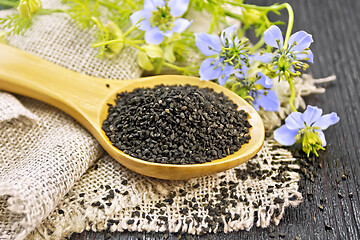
x,y
334,25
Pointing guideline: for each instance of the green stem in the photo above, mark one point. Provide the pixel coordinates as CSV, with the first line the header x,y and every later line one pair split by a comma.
x,y
135,46
270,8
117,41
292,96
258,45
177,68
186,70
233,15
45,11
9,3
290,24
132,28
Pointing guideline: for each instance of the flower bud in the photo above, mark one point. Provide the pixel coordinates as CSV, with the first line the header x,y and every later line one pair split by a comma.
x,y
251,17
114,34
169,53
144,61
153,51
27,8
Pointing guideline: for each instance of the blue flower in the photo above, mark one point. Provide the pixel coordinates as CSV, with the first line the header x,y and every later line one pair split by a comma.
x,y
287,60
230,55
158,19
306,128
265,98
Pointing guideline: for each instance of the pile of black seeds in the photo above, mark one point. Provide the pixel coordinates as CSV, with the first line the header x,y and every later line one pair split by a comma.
x,y
176,124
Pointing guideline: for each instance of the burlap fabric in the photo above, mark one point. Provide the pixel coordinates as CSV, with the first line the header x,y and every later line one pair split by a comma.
x,y
55,179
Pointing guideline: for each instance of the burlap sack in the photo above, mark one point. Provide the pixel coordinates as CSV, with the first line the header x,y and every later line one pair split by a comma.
x,y
47,189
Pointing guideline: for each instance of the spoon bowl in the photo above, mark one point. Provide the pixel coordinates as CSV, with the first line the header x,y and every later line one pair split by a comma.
x,y
85,98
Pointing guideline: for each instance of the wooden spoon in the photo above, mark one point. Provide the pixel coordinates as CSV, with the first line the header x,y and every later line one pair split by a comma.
x,y
85,98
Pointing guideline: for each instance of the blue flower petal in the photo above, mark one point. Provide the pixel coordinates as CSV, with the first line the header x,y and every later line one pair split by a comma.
x,y
272,34
208,44
144,24
241,73
321,136
168,33
152,5
222,79
264,80
309,55
209,70
285,136
303,40
326,121
294,121
311,114
254,103
225,74
269,102
251,58
265,57
181,24
154,36
178,7
227,34
228,69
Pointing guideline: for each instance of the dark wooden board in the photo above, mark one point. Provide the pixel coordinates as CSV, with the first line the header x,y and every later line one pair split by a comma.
x,y
336,31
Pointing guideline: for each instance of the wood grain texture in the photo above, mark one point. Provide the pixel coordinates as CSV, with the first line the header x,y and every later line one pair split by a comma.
x,y
335,28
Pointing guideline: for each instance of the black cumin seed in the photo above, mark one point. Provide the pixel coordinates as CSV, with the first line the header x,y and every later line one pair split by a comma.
x,y
107,85
340,195
96,204
328,227
351,195
81,194
270,190
107,187
278,200
60,211
111,194
343,177
125,193
151,116
131,221
113,221
293,198
124,182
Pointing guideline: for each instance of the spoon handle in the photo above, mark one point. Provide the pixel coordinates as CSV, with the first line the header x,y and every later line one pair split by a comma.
x,y
77,94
